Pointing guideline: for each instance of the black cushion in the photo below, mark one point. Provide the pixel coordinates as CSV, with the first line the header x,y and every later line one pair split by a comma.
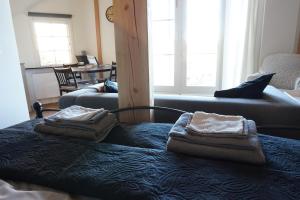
x,y
110,86
250,89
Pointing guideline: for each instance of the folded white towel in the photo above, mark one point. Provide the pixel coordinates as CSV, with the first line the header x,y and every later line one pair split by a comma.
x,y
211,124
76,113
251,156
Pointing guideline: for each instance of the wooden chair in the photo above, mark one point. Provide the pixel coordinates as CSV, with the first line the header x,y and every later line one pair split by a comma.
x,y
78,75
66,80
113,72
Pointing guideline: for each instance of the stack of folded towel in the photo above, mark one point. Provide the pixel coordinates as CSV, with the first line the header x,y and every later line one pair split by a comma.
x,y
77,121
216,136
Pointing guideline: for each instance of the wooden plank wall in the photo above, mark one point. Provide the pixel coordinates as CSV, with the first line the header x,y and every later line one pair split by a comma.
x,y
298,47
131,36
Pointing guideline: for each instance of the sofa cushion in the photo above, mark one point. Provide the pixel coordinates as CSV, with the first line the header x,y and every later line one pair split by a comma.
x,y
250,89
110,87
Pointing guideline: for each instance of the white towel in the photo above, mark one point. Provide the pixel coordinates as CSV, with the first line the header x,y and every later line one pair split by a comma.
x,y
211,124
76,113
179,132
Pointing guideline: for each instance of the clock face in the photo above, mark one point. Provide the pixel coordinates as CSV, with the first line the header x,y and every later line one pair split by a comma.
x,y
110,14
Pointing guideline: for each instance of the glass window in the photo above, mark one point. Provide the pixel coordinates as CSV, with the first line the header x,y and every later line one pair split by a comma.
x,y
53,42
184,36
202,35
163,41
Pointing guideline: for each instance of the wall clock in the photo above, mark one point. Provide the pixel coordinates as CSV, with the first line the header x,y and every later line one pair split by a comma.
x,y
109,14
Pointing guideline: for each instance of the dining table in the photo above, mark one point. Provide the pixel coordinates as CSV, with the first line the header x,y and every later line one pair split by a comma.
x,y
92,70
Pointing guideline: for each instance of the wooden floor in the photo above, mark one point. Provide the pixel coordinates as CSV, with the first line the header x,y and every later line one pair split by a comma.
x,y
46,106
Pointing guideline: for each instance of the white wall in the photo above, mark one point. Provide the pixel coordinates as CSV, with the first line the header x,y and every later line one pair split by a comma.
x,y
13,106
83,25
280,30
107,34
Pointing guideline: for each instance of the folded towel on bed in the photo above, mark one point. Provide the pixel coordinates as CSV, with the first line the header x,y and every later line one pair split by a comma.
x,y
180,133
78,114
249,156
92,120
97,131
220,146
217,125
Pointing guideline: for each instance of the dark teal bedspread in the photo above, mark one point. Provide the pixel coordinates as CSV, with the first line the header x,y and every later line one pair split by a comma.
x,y
132,164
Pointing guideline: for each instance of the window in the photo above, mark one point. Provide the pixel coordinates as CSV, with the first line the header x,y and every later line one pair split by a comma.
x,y
163,37
202,35
184,37
53,41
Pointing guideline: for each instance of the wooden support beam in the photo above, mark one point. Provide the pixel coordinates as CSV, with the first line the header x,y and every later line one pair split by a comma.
x,y
131,34
298,48
98,33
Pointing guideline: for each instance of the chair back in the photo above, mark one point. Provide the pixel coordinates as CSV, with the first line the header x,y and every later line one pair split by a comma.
x,y
113,71
78,74
65,77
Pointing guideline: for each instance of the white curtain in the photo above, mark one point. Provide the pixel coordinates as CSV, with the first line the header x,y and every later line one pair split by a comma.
x,y
243,20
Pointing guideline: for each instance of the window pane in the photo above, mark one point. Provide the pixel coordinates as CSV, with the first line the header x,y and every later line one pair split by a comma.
x,y
164,70
43,29
61,43
53,42
47,58
163,37
202,69
162,34
45,43
162,9
202,34
60,29
62,57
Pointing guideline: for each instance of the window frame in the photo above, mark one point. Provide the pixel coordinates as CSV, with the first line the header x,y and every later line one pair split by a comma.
x,y
66,21
180,61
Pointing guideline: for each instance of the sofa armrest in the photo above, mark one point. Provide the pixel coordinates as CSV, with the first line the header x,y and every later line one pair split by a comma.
x,y
297,84
251,77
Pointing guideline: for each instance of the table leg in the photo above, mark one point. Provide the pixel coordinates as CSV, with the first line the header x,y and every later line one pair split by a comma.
x,y
93,78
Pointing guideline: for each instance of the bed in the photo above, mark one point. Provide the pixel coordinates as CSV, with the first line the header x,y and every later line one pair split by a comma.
x,y
132,163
